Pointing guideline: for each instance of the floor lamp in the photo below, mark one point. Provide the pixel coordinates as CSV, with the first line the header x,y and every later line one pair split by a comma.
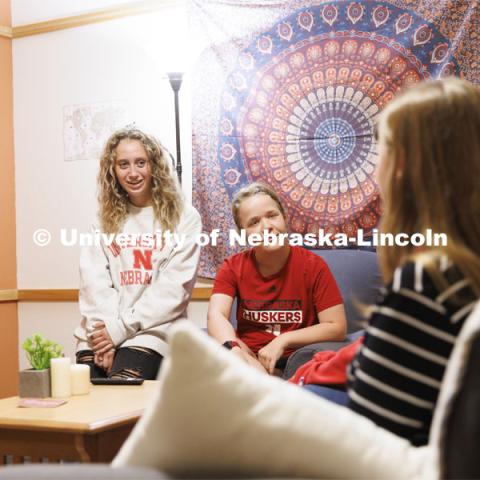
x,y
176,82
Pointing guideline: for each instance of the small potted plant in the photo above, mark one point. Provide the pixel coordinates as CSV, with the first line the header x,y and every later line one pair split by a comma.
x,y
35,382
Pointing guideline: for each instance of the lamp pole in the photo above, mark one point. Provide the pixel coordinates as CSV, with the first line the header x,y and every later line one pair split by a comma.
x,y
176,82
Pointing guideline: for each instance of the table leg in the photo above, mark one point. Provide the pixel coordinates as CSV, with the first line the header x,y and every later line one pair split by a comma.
x,y
81,449
102,447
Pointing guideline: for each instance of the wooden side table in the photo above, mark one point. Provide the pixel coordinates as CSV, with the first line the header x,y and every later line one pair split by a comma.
x,y
89,428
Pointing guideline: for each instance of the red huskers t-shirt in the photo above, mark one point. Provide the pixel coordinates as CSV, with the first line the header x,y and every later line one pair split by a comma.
x,y
288,300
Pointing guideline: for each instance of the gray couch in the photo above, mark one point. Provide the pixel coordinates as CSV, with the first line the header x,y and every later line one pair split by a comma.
x,y
77,472
359,280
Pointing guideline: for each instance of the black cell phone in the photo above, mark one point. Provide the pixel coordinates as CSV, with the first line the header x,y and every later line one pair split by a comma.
x,y
117,381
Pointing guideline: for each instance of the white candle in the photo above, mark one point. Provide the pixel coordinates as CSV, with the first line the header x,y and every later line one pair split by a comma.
x,y
60,372
80,379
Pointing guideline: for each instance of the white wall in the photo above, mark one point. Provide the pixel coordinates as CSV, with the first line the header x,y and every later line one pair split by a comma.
x,y
32,11
124,61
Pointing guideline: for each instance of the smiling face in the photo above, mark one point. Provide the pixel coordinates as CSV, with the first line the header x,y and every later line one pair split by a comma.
x,y
133,172
259,213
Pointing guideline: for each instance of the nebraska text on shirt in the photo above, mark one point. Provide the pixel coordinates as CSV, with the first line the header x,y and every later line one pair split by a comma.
x,y
273,316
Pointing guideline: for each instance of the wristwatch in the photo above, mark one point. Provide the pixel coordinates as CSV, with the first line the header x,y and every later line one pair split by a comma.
x,y
229,344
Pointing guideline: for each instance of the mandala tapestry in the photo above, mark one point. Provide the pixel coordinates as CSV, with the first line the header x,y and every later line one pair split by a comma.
x,y
287,93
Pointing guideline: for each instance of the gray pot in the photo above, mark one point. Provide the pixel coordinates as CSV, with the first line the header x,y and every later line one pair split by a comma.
x,y
35,383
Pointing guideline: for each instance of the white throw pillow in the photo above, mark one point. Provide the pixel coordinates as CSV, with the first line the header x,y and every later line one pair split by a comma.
x,y
215,415
453,381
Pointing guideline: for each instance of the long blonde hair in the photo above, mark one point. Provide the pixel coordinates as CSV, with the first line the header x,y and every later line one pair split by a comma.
x,y
166,194
431,137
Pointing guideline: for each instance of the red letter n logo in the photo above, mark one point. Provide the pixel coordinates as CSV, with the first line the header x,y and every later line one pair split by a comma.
x,y
142,259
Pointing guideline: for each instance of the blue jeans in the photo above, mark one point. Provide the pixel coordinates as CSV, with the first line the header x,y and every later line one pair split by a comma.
x,y
340,397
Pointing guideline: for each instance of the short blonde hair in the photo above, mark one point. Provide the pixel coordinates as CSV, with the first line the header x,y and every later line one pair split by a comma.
x,y
431,137
251,190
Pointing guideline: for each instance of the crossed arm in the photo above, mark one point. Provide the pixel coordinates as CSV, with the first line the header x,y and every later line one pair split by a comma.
x,y
331,327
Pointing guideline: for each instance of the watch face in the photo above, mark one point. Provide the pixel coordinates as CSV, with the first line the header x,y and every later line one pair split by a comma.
x,y
229,344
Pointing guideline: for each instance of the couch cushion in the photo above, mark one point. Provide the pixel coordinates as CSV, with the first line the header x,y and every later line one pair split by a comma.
x,y
358,278
305,354
215,415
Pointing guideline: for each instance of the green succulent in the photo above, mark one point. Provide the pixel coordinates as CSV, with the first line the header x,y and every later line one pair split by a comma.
x,y
40,351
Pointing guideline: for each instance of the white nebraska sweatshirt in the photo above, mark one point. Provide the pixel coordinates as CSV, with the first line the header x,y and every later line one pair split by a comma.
x,y
138,285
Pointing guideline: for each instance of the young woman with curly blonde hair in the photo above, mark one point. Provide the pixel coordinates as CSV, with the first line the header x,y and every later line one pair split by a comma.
x,y
134,287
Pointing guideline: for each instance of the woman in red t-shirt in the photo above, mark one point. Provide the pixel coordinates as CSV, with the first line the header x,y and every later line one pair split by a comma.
x,y
286,295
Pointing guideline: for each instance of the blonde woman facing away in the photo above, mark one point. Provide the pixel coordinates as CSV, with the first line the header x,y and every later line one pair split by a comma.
x,y
428,171
133,288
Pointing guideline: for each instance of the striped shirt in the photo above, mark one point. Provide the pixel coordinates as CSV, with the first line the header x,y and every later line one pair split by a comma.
x,y
395,378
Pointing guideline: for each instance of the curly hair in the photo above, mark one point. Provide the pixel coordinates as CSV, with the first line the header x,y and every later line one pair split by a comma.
x,y
167,199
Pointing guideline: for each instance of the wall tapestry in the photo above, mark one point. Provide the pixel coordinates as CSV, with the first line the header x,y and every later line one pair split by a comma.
x,y
287,93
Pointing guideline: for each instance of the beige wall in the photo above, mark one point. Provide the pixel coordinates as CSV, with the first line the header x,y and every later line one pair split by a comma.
x,y
8,276
5,13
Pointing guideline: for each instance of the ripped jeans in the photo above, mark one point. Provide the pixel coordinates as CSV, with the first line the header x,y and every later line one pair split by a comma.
x,y
129,362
